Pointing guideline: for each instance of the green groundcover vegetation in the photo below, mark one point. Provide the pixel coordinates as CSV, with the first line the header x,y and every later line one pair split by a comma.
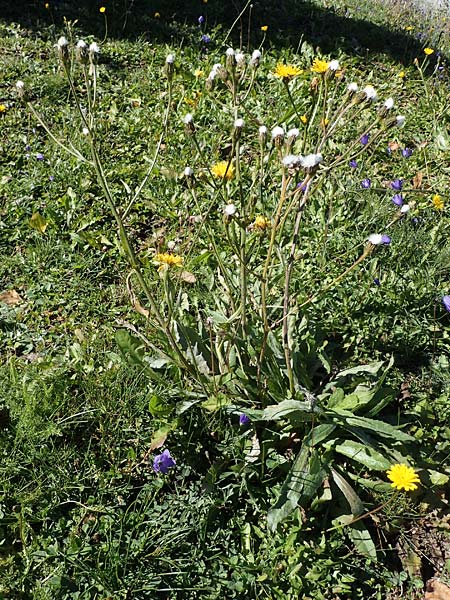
x,y
224,300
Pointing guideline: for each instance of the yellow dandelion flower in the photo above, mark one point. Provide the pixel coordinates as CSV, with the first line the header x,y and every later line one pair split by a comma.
x,y
324,122
402,74
304,119
165,261
286,72
157,15
2,108
47,5
198,73
102,9
319,66
261,223
437,201
409,28
264,28
223,170
428,51
403,477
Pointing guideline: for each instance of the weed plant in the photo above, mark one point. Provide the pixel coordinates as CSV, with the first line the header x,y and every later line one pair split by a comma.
x,y
225,319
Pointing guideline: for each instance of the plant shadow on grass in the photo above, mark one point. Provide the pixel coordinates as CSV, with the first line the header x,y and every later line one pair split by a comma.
x,y
289,22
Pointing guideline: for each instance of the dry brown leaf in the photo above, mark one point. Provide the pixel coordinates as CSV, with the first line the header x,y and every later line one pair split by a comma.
x,y
393,146
417,180
188,277
140,309
436,590
11,297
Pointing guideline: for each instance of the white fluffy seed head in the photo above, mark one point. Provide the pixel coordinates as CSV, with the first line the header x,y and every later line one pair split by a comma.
x,y
62,42
239,123
352,87
170,59
229,210
389,103
277,132
188,119
375,239
311,160
370,92
400,119
188,172
333,65
293,133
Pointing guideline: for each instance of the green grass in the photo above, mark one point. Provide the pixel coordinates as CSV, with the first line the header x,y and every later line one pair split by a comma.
x,y
93,387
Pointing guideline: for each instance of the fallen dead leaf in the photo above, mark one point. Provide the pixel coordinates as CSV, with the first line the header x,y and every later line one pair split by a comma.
x,y
436,590
417,180
11,297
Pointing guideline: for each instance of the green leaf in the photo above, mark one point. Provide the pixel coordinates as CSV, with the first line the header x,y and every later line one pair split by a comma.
x,y
359,535
303,480
383,429
437,478
363,454
158,408
131,347
293,409
354,501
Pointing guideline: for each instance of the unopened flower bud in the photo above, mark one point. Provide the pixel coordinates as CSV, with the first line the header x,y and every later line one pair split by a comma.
x,y
255,59
20,88
230,58
189,124
262,134
278,136
62,46
240,59
94,52
170,66
82,52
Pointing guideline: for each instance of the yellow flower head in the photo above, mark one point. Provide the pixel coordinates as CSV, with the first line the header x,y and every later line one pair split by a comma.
x,y
403,477
324,122
304,119
319,66
2,108
166,260
157,15
102,9
437,201
409,28
261,223
286,72
198,73
47,5
402,74
223,170
264,28
428,51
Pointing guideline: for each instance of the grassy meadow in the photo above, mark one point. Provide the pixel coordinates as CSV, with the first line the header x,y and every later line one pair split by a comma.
x,y
224,300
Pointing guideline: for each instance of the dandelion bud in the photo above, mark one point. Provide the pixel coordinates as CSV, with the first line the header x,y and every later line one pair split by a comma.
x,y
262,135
230,58
94,52
209,82
170,66
292,161
387,106
82,52
20,88
189,124
238,125
240,59
352,88
314,85
62,46
291,136
255,59
278,136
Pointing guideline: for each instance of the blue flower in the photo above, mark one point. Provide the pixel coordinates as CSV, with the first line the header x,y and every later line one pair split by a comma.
x,y
353,163
39,156
365,183
205,38
397,184
385,239
397,199
446,302
243,419
163,462
406,152
301,186
364,139
201,19
377,281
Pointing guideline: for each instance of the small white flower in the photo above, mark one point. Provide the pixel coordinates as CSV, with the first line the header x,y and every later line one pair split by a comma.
x,y
229,210
171,245
293,133
277,132
292,161
188,119
400,120
229,52
405,208
188,172
310,160
81,44
262,130
240,59
370,92
352,87
20,85
170,59
333,65
389,103
94,50
375,239
85,131
62,43
239,123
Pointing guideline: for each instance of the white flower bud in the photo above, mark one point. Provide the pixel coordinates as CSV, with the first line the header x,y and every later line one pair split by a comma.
x,y
229,210
255,59
400,119
188,172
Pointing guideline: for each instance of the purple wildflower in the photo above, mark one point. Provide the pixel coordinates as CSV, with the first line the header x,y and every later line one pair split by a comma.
x,y
364,139
406,152
302,186
28,147
377,281
39,156
365,183
397,199
163,462
388,151
385,239
397,184
243,419
446,302
353,163
201,19
206,39
51,177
